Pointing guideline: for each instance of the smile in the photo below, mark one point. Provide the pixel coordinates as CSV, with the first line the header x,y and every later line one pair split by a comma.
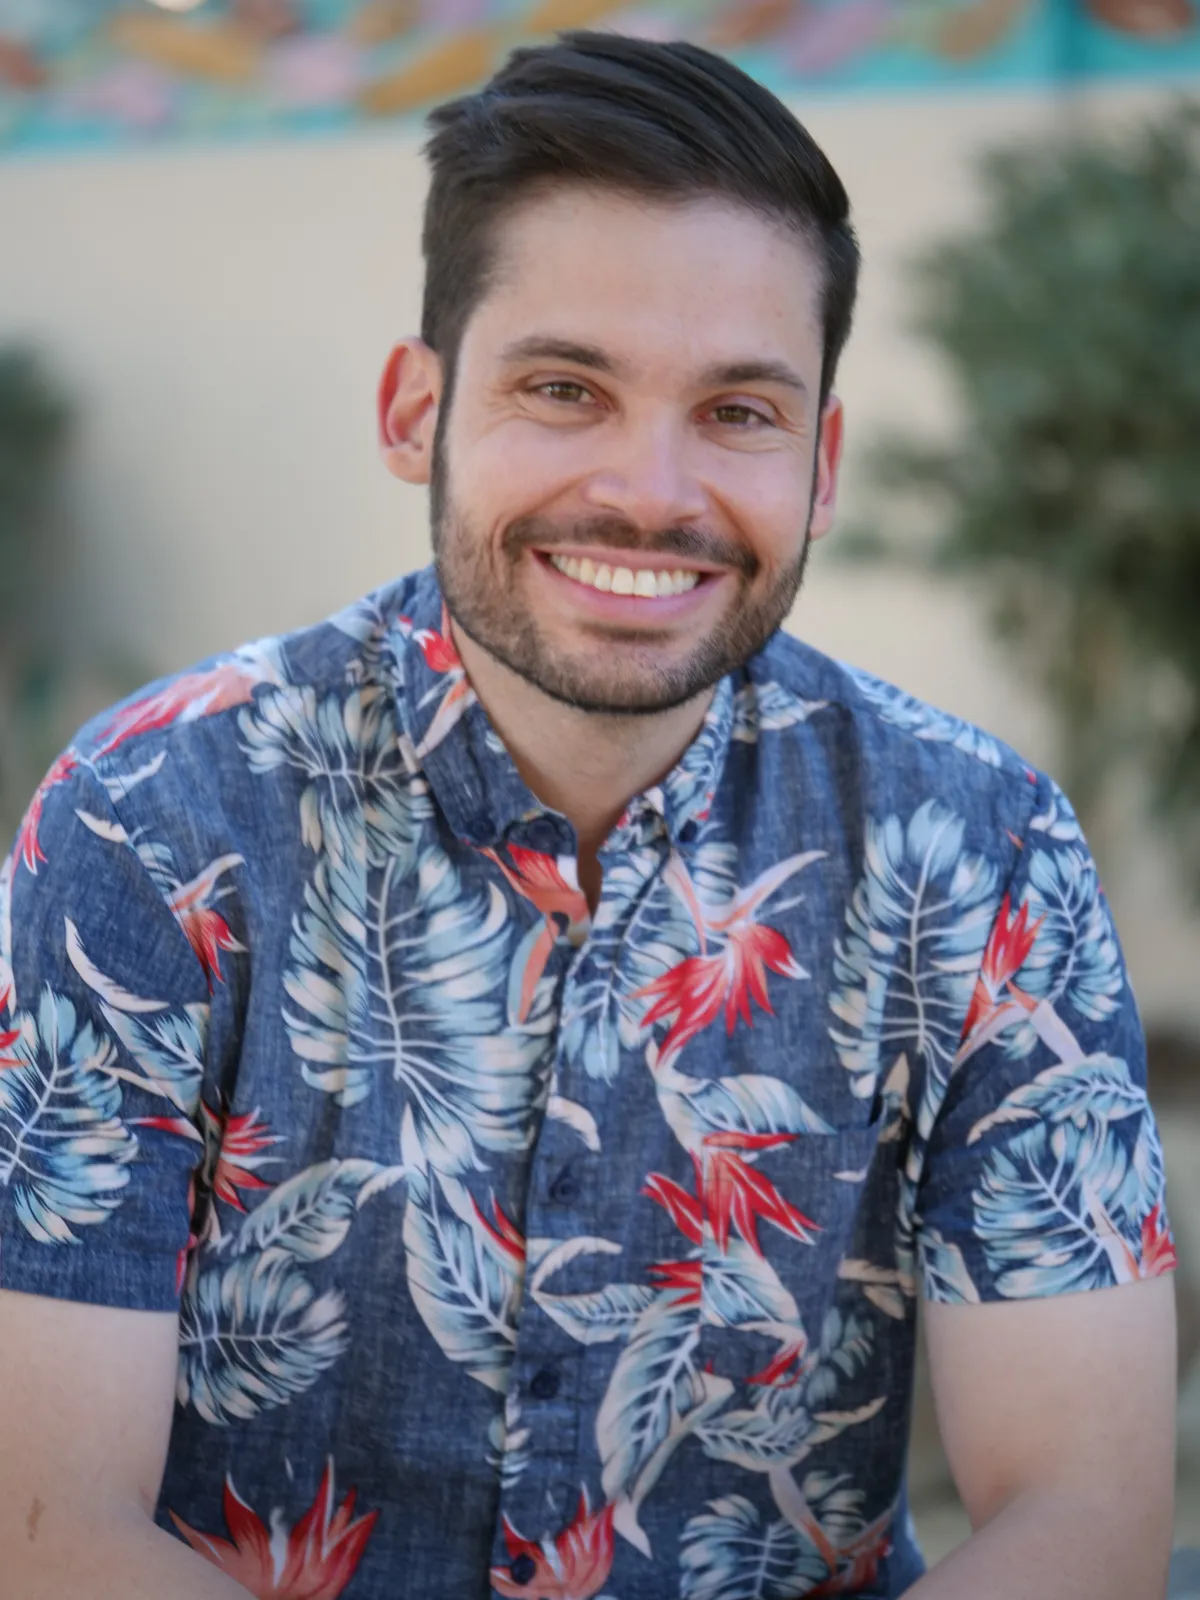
x,y
642,582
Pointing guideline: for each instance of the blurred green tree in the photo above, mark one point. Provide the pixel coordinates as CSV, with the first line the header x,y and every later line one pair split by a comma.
x,y
33,428
1070,324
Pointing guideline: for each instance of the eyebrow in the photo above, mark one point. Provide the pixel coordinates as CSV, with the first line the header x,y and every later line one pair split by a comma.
x,y
540,347
737,372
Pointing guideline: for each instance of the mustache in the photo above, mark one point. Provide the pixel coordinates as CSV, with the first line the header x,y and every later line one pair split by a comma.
x,y
614,533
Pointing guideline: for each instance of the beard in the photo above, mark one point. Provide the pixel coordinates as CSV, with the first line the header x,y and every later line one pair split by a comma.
x,y
612,672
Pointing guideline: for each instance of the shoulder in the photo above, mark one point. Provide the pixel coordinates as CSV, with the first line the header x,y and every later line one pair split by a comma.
x,y
170,759
202,706
899,744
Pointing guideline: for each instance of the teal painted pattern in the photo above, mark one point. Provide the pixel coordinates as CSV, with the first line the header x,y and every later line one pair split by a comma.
x,y
113,72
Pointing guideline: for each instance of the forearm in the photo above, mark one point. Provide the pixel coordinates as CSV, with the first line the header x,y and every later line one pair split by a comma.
x,y
62,1555
1056,1542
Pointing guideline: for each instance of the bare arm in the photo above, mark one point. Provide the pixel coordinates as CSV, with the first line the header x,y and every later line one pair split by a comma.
x,y
86,1396
1058,1420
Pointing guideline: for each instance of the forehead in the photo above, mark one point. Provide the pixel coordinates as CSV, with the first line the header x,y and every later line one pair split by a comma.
x,y
698,281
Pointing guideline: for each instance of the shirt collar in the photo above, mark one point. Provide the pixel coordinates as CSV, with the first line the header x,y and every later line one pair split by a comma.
x,y
485,800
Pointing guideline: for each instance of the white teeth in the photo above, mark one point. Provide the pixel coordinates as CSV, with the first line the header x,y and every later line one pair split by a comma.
x,y
647,583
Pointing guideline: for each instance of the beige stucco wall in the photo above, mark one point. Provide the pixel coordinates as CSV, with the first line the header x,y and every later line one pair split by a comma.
x,y
220,315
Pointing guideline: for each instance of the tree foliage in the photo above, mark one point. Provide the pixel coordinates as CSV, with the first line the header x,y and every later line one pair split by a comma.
x,y
1070,324
33,424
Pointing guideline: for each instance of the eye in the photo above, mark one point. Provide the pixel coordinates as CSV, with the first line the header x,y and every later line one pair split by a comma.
x,y
563,390
734,414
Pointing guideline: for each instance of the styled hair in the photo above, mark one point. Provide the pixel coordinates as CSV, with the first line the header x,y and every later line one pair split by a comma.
x,y
663,121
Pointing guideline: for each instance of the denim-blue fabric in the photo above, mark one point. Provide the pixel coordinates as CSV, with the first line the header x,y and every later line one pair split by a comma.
x,y
527,1251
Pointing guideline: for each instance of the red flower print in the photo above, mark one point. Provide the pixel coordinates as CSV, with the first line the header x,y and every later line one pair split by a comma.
x,y
241,1141
185,699
233,1148
505,1235
320,1556
207,931
8,1036
854,1566
733,1193
442,657
539,879
439,648
575,1566
27,848
684,1279
1008,947
695,991
1158,1248
684,1209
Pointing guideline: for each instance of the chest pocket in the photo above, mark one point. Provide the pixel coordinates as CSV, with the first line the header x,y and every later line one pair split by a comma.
x,y
793,1225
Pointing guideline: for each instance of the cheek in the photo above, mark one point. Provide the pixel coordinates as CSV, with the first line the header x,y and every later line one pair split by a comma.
x,y
518,470
768,504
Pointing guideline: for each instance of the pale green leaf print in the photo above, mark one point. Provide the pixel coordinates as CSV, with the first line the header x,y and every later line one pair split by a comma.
x,y
64,1150
253,1335
915,933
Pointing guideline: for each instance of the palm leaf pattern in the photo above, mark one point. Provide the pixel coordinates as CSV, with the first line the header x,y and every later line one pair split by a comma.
x,y
1075,963
254,1332
63,1148
253,1335
308,1216
397,963
729,1553
464,1277
905,711
1061,1205
786,1423
168,1050
347,746
904,968
768,707
642,929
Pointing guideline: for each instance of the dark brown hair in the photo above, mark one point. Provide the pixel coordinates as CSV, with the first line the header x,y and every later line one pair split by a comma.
x,y
667,121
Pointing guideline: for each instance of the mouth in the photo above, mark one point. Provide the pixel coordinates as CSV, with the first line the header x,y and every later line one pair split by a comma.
x,y
639,583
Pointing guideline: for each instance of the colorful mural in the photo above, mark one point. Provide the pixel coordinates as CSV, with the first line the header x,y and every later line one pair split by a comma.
x,y
110,71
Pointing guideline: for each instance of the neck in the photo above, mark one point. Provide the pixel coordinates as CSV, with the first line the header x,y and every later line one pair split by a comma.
x,y
584,764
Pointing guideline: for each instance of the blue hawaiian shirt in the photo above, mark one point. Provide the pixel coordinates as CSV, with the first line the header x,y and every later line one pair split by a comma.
x,y
527,1251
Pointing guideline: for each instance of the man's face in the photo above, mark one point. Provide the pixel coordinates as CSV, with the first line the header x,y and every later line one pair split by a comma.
x,y
624,483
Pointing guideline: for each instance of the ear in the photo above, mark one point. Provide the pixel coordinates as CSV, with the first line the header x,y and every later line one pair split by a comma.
x,y
829,458
409,393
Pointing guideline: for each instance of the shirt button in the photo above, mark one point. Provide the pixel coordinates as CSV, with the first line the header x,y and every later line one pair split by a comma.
x,y
544,1384
523,1568
564,1191
543,836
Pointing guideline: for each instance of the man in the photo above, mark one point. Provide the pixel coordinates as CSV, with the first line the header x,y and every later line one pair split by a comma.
x,y
485,1080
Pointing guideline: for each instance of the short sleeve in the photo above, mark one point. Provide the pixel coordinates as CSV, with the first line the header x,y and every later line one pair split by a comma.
x,y
1043,1172
103,1017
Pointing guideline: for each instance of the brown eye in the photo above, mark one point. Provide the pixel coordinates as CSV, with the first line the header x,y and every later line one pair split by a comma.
x,y
562,389
739,416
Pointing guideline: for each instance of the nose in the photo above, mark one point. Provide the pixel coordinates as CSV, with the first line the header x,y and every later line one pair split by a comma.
x,y
647,478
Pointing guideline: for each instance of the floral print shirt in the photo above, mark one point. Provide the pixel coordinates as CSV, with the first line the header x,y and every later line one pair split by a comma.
x,y
526,1251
